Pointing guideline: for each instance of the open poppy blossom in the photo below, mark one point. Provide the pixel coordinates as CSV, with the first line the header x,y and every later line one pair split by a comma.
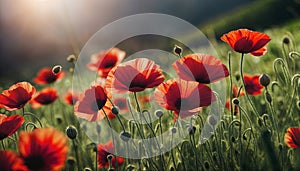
x,y
247,41
252,84
10,161
44,97
105,61
202,68
16,96
92,104
70,98
292,137
103,151
185,98
135,75
43,149
46,76
9,125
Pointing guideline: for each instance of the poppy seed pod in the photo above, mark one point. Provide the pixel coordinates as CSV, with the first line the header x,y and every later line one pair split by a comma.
x,y
56,69
115,110
159,113
177,50
71,132
264,80
125,136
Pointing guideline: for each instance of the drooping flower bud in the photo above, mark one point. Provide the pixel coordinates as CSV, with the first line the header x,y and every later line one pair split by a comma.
x,y
71,132
125,136
264,80
115,110
56,69
177,50
159,113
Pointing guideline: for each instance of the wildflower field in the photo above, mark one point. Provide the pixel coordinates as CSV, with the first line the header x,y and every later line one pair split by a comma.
x,y
235,111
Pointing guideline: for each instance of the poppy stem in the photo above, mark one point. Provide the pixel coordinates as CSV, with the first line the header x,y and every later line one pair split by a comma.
x,y
230,91
75,147
248,98
2,143
137,102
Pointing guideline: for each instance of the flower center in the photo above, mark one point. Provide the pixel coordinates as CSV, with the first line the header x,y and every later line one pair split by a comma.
x,y
35,162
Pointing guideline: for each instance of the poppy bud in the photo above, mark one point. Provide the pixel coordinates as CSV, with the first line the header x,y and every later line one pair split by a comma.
x,y
71,161
177,50
233,139
280,146
191,130
174,130
268,97
56,69
212,120
260,122
59,121
115,110
264,80
125,136
286,40
245,137
109,157
206,165
71,132
236,101
237,76
71,58
130,167
159,113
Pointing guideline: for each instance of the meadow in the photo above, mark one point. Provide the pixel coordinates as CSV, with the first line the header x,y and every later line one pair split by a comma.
x,y
44,123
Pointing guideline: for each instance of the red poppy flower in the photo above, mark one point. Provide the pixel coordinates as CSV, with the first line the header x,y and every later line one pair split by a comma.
x,y
135,75
252,84
185,98
70,98
202,68
43,149
46,76
105,61
9,125
247,41
44,97
16,96
10,161
292,137
91,104
103,151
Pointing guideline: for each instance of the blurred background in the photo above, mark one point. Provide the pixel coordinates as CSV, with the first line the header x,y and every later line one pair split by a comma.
x,y
40,33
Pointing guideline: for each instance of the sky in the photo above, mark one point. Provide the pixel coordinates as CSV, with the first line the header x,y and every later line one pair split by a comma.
x,y
39,33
